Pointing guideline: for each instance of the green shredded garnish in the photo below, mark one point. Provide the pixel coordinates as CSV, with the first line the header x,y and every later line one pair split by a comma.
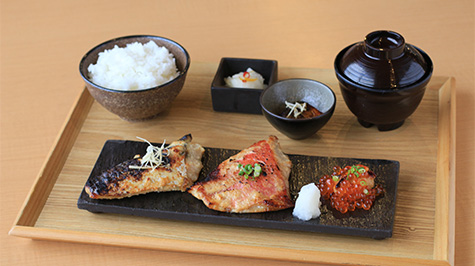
x,y
249,170
363,183
356,170
257,170
335,178
365,191
248,167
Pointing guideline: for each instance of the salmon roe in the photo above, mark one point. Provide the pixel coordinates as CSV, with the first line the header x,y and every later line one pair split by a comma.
x,y
349,188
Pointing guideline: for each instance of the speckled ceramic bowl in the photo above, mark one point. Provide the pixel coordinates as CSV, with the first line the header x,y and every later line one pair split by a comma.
x,y
310,91
140,104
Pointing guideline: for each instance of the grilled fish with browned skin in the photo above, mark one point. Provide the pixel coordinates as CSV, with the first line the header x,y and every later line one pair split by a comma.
x,y
179,170
229,189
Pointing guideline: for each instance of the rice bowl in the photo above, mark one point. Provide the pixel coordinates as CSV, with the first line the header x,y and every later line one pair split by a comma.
x,y
133,67
142,104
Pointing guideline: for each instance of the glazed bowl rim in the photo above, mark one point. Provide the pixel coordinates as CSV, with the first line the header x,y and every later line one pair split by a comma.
x,y
95,48
425,78
301,120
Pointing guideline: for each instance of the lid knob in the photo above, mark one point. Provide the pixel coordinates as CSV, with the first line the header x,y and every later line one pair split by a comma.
x,y
384,44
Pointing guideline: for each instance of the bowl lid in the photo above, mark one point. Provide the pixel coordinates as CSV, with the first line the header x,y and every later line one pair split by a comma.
x,y
384,61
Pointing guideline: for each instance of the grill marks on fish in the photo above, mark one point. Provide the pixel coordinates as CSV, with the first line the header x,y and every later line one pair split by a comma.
x,y
225,190
112,177
183,165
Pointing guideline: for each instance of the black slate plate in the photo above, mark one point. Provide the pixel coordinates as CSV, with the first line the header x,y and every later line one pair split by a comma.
x,y
376,223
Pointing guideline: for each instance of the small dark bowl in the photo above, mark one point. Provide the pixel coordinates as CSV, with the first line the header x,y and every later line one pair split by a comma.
x,y
139,104
312,92
240,100
383,79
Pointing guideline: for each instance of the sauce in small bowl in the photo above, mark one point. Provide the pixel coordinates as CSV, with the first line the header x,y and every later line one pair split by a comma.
x,y
314,94
306,110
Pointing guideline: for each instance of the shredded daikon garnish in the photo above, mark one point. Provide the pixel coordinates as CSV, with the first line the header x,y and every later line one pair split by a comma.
x,y
296,108
154,156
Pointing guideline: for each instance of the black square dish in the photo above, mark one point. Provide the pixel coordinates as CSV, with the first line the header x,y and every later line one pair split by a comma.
x,y
375,223
240,100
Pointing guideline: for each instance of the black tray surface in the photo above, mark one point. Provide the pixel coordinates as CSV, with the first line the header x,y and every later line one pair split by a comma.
x,y
376,223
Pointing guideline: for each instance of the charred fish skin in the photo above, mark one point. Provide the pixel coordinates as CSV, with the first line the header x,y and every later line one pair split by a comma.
x,y
178,168
104,183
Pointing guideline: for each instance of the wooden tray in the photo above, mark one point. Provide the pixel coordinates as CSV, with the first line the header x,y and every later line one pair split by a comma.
x,y
425,147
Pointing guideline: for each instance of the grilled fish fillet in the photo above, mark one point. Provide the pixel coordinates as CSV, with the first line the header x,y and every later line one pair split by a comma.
x,y
182,170
225,190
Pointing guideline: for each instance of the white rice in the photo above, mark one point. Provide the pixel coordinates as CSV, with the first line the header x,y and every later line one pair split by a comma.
x,y
134,67
254,81
307,205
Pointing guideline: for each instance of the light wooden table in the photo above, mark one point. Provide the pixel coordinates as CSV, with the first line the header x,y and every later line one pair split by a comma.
x,y
43,41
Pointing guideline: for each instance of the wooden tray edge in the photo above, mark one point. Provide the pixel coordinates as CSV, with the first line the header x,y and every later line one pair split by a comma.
x,y
210,248
44,182
444,233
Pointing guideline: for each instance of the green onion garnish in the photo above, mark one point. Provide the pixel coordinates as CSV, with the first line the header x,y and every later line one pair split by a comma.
x,y
248,169
257,170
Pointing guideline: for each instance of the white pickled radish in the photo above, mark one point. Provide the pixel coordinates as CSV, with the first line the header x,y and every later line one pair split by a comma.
x,y
307,205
